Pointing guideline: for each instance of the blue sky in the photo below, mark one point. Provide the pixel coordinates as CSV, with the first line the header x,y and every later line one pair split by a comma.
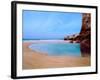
x,y
50,25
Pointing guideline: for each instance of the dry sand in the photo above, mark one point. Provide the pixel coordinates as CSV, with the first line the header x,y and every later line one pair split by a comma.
x,y
35,60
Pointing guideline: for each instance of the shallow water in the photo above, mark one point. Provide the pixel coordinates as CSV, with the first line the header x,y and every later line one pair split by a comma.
x,y
57,49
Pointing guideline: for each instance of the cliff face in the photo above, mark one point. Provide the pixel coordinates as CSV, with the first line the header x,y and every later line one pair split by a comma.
x,y
86,23
85,34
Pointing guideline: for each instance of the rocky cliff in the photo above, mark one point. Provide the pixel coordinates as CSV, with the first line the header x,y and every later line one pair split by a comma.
x,y
85,34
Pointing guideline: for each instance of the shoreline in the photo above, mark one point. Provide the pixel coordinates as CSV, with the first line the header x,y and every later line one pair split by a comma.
x,y
67,41
36,60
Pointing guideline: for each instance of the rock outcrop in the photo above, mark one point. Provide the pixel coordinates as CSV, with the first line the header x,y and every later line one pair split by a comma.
x,y
85,34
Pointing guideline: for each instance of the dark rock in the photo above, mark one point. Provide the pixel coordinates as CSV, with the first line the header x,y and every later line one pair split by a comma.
x,y
85,34
71,41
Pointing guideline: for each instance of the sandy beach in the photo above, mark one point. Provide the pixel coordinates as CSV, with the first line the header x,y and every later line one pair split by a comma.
x,y
35,60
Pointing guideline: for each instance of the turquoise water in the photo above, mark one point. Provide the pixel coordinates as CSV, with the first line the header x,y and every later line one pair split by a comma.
x,y
58,49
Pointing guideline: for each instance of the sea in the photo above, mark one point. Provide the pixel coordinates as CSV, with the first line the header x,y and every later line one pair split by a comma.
x,y
57,48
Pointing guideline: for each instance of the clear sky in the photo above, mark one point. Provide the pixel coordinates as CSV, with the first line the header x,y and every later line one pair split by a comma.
x,y
50,25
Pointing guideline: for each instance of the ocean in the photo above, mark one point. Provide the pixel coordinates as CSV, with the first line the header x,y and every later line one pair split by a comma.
x,y
57,49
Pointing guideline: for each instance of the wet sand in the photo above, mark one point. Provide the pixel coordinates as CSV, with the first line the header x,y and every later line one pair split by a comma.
x,y
36,60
